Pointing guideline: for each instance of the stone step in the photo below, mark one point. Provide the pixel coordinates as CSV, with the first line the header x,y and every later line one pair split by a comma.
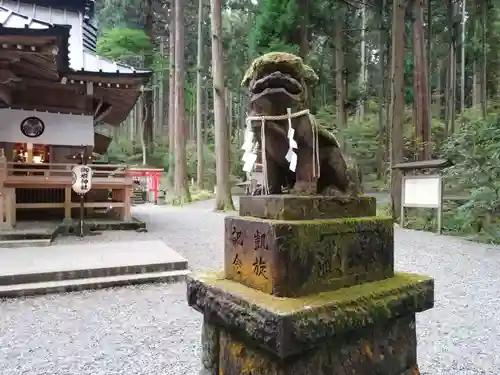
x,y
92,273
25,243
61,286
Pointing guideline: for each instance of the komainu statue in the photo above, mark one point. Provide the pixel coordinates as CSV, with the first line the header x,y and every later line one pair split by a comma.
x,y
294,151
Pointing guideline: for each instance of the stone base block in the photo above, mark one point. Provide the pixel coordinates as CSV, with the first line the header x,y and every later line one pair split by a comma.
x,y
293,207
286,327
387,348
297,258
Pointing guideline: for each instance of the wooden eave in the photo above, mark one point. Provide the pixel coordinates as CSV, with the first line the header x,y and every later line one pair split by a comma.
x,y
47,98
35,74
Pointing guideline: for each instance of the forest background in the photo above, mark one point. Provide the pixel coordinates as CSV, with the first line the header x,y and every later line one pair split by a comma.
x,y
444,56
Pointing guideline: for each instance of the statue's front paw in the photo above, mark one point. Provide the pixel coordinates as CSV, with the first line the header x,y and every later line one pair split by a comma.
x,y
304,188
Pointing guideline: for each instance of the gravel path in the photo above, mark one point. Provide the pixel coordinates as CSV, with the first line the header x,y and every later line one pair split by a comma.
x,y
149,330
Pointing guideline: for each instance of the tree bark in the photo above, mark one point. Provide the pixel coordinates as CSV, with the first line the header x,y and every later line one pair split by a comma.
x,y
476,65
484,59
339,71
462,56
304,32
199,100
180,180
171,96
362,72
452,71
381,94
420,88
223,199
397,102
438,94
148,109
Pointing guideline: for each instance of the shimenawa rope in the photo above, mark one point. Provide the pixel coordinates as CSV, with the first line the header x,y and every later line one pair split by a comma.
x,y
288,116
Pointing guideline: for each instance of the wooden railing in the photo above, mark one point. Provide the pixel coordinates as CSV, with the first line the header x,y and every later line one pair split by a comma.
x,y
48,186
61,172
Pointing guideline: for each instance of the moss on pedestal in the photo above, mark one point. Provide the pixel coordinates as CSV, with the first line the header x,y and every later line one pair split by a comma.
x,y
385,349
290,207
287,326
310,256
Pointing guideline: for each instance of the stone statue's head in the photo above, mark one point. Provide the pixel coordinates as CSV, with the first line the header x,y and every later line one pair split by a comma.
x,y
277,81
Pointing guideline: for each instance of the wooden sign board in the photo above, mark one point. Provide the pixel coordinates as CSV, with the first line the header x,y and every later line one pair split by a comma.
x,y
425,191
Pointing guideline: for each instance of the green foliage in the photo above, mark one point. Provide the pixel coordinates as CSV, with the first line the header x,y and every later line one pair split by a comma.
x,y
275,27
131,46
475,153
118,13
362,142
124,44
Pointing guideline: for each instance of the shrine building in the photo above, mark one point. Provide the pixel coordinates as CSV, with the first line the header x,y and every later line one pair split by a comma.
x,y
54,91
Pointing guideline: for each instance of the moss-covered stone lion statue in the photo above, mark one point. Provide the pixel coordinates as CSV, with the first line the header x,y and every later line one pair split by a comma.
x,y
305,160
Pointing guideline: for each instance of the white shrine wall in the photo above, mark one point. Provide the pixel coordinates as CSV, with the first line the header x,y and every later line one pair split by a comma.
x,y
59,129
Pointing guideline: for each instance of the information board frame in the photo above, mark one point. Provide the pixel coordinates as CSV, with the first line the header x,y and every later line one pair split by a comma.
x,y
438,197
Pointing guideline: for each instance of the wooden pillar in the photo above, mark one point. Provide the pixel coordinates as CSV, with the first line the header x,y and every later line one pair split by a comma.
x,y
7,197
127,204
67,202
127,196
29,149
13,216
3,197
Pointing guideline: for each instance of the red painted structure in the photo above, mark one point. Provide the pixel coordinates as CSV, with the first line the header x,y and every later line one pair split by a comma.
x,y
153,178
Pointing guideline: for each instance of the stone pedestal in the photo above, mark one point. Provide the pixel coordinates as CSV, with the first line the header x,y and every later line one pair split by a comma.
x,y
309,288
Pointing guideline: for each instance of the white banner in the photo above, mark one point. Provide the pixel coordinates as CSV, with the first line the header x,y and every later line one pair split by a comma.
x,y
18,126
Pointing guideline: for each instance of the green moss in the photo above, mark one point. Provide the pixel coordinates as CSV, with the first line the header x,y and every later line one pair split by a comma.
x,y
327,254
304,235
293,207
301,71
342,222
242,359
376,296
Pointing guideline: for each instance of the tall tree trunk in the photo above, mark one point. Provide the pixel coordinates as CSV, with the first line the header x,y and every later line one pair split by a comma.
x,y
429,56
199,99
161,91
223,197
181,188
452,71
362,72
171,96
476,66
420,88
148,94
476,84
397,102
438,93
462,56
484,59
381,94
339,71
304,31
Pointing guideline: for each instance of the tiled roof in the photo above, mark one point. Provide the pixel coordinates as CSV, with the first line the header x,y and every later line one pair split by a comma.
x,y
95,63
82,60
9,18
